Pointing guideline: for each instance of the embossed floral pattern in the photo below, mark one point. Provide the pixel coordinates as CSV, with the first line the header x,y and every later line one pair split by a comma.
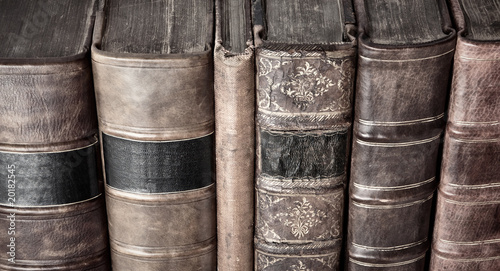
x,y
325,83
300,267
305,85
302,217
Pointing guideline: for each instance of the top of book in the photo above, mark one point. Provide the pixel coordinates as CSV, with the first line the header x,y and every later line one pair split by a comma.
x,y
397,22
158,27
482,19
303,22
45,29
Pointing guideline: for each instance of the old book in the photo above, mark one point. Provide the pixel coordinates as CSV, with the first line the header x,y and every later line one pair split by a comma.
x,y
153,73
305,66
405,54
234,134
52,212
467,230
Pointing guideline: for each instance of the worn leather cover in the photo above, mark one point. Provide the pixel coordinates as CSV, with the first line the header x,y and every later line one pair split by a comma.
x,y
153,110
52,208
399,120
234,83
303,119
467,230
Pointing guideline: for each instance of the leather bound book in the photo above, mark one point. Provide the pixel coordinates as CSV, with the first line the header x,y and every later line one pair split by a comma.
x,y
52,212
305,67
405,54
467,226
153,74
234,135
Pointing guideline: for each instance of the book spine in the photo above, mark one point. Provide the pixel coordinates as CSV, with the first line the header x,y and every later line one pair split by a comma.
x,y
466,233
234,86
399,119
51,203
235,155
304,108
157,121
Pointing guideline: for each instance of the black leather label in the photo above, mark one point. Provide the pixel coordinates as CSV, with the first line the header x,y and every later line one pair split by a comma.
x,y
299,155
158,167
42,179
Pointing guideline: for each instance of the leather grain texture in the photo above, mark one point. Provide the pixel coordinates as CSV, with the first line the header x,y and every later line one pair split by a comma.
x,y
51,178
61,237
467,229
234,84
158,166
52,206
303,123
148,105
399,120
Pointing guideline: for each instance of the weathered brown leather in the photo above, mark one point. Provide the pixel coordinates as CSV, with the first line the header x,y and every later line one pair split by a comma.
x,y
162,232
303,121
234,83
467,230
64,237
399,118
284,239
47,106
53,100
157,98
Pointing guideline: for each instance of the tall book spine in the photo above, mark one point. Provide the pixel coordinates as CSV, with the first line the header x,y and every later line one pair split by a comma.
x,y
234,82
156,119
467,230
303,124
52,212
399,120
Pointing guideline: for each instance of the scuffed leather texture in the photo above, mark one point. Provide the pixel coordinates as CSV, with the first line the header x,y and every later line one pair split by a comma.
x,y
162,232
156,99
47,125
467,230
399,119
42,179
63,237
158,166
47,106
296,155
145,98
235,155
304,108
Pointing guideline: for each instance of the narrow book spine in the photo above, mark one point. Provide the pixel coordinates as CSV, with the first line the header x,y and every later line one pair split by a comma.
x,y
157,122
234,86
399,120
467,234
51,202
235,156
304,107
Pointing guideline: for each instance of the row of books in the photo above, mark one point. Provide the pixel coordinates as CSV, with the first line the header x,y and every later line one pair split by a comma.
x,y
250,135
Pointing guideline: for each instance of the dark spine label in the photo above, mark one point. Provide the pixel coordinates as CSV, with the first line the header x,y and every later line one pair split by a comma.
x,y
43,179
298,155
158,167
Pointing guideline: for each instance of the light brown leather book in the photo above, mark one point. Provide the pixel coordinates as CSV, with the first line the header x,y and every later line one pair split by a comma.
x,y
405,54
52,213
467,228
305,67
234,134
153,74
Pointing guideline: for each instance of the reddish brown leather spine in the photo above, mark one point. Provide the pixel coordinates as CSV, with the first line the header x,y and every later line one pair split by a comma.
x,y
467,229
399,119
147,104
235,153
